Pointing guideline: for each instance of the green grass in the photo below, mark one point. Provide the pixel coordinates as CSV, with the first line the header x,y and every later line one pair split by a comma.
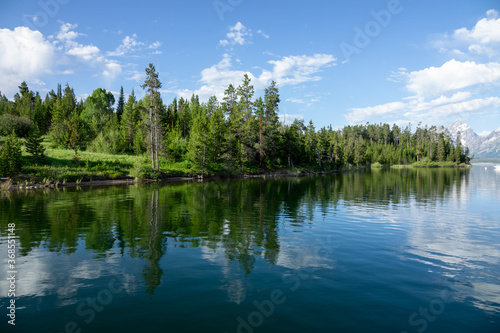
x,y
446,164
60,167
377,165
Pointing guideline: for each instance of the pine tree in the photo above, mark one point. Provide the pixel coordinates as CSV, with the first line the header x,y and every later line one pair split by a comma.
x,y
130,121
271,110
217,135
197,149
34,143
120,105
10,156
76,134
153,84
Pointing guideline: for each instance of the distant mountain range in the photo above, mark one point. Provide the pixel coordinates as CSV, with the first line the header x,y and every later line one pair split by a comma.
x,y
479,146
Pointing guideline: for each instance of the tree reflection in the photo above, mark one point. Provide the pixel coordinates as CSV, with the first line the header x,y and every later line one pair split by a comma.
x,y
242,217
155,248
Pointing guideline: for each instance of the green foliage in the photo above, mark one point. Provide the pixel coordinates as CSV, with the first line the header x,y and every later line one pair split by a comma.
x,y
108,141
242,134
10,156
198,143
120,105
10,123
34,144
98,110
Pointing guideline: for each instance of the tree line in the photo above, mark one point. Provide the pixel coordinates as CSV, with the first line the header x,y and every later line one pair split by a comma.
x,y
241,133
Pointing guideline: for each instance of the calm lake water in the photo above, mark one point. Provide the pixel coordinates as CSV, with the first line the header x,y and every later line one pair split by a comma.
x,y
377,251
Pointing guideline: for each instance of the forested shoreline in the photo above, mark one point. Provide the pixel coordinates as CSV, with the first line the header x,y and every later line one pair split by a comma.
x,y
240,134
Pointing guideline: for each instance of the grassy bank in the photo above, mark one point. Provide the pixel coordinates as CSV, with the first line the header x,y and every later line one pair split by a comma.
x,y
431,165
59,167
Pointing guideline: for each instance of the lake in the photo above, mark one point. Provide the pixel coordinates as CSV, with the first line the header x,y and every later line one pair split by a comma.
x,y
400,250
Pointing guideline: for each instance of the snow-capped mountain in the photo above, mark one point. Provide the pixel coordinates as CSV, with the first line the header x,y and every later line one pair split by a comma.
x,y
480,146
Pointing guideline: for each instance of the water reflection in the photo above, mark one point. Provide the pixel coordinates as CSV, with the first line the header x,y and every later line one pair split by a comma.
x,y
236,224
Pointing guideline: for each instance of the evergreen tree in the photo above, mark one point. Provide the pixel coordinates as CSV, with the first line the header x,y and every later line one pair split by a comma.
x,y
34,143
120,105
217,130
271,119
10,156
63,110
24,105
245,125
198,141
153,84
76,134
129,123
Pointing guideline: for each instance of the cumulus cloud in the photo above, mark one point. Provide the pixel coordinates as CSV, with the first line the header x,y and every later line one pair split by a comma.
x,y
452,75
129,44
85,52
298,69
111,70
91,54
357,115
462,88
237,35
455,88
483,39
26,55
290,70
66,33
486,30
427,112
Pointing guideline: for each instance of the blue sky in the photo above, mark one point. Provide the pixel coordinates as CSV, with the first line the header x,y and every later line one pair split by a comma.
x,y
335,62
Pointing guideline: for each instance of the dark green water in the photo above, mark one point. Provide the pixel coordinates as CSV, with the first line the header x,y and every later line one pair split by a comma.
x,y
380,251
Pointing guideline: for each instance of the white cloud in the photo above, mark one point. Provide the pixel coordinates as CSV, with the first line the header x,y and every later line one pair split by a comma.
x,y
419,104
66,33
260,32
357,115
91,54
25,56
298,69
135,76
308,102
486,30
238,34
289,118
289,70
469,106
296,100
480,49
111,70
432,112
482,39
86,52
399,75
155,45
464,88
129,44
452,75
